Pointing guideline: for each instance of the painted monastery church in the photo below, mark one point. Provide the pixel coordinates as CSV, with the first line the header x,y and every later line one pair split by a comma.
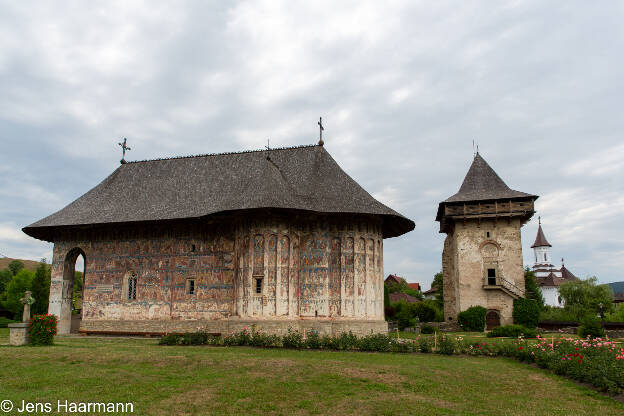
x,y
548,277
280,239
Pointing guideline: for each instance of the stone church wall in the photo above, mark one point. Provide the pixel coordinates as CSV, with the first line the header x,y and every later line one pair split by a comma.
x,y
315,272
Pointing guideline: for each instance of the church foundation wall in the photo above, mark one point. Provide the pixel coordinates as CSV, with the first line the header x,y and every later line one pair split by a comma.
x,y
229,326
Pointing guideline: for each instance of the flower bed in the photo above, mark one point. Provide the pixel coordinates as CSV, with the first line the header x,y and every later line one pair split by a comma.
x,y
597,362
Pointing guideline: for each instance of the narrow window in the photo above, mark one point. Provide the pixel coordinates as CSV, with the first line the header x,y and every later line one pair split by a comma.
x,y
545,257
190,287
487,234
132,286
259,285
193,248
491,276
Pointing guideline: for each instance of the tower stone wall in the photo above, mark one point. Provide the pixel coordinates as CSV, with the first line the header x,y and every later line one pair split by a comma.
x,y
468,254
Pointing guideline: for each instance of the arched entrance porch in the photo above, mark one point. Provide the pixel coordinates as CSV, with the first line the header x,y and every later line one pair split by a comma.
x,y
72,292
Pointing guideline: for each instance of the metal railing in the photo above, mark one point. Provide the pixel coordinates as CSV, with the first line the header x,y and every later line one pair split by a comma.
x,y
502,282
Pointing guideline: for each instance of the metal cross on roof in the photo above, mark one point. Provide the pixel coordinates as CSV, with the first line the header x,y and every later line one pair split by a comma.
x,y
539,220
124,148
321,128
268,148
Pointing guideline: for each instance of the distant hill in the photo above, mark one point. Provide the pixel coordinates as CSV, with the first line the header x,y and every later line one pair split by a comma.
x,y
618,287
29,264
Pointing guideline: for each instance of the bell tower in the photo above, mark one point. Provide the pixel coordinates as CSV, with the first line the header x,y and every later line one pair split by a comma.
x,y
482,256
541,249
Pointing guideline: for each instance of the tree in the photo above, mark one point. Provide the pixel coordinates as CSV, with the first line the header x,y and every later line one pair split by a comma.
x,y
5,278
403,287
438,282
532,290
16,289
41,288
15,266
583,297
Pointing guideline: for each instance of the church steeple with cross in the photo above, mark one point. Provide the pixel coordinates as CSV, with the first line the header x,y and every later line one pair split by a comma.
x,y
541,248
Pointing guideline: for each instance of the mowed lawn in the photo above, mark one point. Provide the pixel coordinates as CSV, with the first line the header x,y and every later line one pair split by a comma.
x,y
240,380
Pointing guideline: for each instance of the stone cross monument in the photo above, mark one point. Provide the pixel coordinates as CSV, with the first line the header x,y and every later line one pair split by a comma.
x,y
27,300
18,332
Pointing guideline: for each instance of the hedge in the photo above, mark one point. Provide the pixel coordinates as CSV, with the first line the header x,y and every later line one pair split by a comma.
x,y
512,331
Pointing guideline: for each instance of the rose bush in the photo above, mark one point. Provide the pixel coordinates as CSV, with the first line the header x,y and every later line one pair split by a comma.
x,y
42,329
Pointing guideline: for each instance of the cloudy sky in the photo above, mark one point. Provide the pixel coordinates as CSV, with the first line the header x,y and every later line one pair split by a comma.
x,y
403,87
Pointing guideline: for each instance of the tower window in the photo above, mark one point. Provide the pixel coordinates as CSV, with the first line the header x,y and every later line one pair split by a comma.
x,y
545,259
487,234
491,276
132,286
259,285
190,287
193,248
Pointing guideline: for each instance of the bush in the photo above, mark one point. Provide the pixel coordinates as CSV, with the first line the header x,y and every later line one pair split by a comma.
x,y
551,313
374,342
4,322
512,331
526,312
194,338
260,339
424,311
239,338
446,346
424,344
591,327
427,329
170,339
42,329
292,339
345,341
472,319
404,316
313,340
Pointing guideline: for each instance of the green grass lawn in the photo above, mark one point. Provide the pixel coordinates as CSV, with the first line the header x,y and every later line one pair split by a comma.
x,y
242,380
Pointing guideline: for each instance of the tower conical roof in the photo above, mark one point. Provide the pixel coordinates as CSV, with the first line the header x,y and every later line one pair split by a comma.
x,y
483,183
540,239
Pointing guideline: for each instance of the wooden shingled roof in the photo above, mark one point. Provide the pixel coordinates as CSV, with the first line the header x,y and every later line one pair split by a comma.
x,y
483,183
302,178
540,239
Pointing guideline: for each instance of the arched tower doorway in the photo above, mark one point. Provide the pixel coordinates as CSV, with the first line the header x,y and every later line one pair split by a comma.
x,y
492,319
72,292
